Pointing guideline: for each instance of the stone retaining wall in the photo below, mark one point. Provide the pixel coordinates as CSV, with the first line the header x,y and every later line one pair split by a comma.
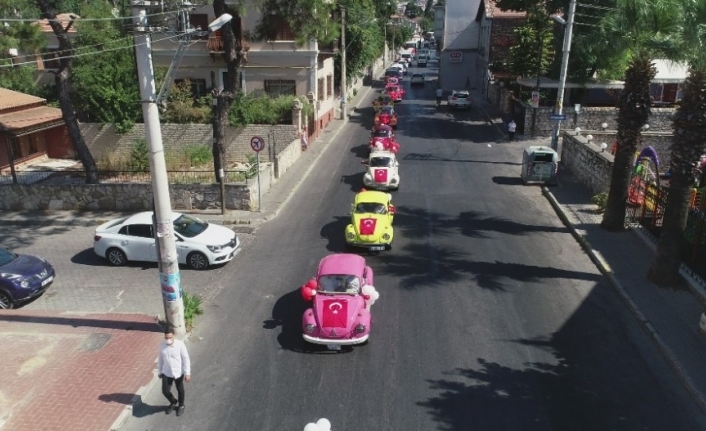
x,y
592,167
103,141
132,196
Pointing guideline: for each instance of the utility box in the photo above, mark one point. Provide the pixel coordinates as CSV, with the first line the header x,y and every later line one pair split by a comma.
x,y
539,165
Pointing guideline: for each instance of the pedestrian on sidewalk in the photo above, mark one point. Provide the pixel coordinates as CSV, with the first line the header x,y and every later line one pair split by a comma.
x,y
303,138
173,366
511,127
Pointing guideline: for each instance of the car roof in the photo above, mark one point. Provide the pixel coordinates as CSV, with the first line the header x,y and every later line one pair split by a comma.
x,y
460,92
342,264
382,153
144,217
373,196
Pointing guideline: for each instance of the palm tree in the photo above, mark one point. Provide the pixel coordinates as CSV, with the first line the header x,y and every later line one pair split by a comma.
x,y
644,29
689,143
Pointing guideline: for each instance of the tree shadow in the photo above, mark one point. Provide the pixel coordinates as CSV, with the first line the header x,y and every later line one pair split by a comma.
x,y
473,225
335,233
432,158
20,236
361,151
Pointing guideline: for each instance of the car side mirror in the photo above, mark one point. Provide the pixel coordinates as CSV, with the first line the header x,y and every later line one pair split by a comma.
x,y
392,209
364,162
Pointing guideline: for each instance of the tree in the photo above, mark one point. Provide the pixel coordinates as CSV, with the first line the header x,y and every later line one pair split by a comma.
x,y
689,143
643,29
28,40
105,86
61,80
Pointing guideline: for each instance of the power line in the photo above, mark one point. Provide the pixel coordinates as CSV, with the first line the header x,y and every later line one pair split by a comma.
x,y
89,53
591,6
84,19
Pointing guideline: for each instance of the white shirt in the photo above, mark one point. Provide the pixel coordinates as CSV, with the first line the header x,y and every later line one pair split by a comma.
x,y
173,360
511,127
439,92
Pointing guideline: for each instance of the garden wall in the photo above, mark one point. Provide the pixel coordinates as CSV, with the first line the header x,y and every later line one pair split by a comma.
x,y
587,162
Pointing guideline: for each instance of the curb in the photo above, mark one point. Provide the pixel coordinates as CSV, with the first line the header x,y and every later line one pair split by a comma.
x,y
668,354
126,414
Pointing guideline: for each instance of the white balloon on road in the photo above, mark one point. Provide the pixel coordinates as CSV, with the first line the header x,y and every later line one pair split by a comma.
x,y
324,424
311,427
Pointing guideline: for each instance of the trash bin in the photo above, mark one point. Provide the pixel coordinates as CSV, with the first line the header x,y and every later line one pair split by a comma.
x,y
539,165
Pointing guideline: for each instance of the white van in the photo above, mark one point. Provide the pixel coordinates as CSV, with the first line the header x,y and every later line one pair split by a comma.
x,y
407,55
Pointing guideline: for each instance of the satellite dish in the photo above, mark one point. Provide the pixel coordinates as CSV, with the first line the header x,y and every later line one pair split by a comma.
x,y
220,22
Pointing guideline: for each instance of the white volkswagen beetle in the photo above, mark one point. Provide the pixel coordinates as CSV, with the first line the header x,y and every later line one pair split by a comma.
x,y
382,172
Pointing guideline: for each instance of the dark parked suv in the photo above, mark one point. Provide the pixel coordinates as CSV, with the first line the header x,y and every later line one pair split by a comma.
x,y
22,277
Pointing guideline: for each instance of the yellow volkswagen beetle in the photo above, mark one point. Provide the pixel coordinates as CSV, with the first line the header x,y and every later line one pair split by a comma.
x,y
371,221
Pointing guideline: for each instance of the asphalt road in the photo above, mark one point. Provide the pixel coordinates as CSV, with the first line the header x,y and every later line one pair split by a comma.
x,y
490,317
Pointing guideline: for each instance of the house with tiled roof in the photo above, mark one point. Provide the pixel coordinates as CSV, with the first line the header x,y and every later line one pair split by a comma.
x,y
29,130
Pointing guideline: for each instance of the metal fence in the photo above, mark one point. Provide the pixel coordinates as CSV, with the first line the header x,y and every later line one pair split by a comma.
x,y
49,177
646,205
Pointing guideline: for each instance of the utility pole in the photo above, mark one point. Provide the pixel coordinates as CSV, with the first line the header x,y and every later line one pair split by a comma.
x,y
384,49
344,85
559,106
170,279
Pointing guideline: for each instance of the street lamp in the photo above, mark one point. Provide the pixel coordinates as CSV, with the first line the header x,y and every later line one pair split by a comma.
x,y
558,108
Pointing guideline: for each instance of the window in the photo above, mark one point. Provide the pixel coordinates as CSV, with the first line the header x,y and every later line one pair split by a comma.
x,y
141,230
49,57
198,86
279,29
280,87
321,89
15,148
199,21
329,86
33,143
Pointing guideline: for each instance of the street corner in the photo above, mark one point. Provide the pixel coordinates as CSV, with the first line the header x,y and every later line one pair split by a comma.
x,y
80,371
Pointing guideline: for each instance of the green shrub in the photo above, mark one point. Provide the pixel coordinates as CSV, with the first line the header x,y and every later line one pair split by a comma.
x,y
252,172
193,306
199,155
247,109
600,200
139,157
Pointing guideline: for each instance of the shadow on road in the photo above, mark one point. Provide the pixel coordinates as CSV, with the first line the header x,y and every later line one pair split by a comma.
x,y
335,233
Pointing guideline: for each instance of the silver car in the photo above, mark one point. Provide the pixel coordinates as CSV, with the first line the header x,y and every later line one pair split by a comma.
x,y
459,99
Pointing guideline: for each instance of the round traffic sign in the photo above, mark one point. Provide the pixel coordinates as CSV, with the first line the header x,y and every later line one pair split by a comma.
x,y
257,144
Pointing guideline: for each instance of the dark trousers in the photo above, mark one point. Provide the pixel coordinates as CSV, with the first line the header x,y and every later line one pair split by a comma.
x,y
511,135
167,389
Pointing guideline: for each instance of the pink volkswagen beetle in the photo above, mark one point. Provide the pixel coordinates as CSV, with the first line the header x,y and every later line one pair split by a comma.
x,y
341,296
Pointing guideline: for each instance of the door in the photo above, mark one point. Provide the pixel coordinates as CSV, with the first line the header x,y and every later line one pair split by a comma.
x,y
139,243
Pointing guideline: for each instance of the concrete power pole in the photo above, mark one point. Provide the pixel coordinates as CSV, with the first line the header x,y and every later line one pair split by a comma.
x,y
344,86
558,108
170,279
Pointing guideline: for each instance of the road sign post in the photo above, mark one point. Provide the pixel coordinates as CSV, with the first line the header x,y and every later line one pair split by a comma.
x,y
258,144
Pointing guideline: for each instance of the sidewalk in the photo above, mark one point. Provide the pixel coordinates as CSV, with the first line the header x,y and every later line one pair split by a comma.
x,y
71,372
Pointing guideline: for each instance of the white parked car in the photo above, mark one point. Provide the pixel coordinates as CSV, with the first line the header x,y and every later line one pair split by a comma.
x,y
199,244
382,172
459,99
416,78
400,66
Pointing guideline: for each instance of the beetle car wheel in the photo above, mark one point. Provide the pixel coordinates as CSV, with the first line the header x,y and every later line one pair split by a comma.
x,y
197,260
116,257
5,302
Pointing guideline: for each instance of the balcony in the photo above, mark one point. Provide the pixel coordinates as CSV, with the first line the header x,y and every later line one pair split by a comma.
x,y
214,44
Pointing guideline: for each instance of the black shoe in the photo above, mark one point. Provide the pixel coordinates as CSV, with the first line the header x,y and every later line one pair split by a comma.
x,y
171,407
180,410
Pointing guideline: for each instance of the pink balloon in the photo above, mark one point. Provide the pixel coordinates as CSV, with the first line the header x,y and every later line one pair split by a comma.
x,y
312,283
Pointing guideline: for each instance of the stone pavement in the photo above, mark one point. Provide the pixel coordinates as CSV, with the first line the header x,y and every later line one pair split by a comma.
x,y
83,372
71,372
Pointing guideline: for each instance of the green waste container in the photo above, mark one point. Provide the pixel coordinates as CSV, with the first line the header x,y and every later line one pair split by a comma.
x,y
539,165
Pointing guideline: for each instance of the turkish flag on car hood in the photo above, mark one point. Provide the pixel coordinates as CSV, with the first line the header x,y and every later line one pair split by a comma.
x,y
334,313
367,226
380,175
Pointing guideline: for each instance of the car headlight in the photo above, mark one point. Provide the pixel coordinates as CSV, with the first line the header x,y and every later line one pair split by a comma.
x,y
360,329
310,328
17,279
367,177
386,236
215,248
350,235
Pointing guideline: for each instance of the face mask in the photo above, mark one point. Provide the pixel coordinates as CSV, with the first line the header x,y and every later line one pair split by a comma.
x,y
170,342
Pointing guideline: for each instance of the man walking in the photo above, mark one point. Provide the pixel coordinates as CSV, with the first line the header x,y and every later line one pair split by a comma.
x,y
173,366
511,129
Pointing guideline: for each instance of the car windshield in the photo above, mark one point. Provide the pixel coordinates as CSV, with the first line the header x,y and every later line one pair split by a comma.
x,y
382,134
387,110
188,226
381,162
393,88
6,257
370,207
461,95
339,284
417,75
